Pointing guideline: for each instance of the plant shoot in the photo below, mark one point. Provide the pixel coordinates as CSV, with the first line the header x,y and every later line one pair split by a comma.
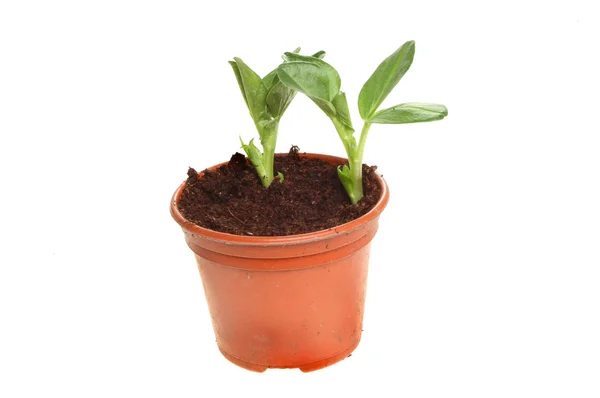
x,y
321,83
267,100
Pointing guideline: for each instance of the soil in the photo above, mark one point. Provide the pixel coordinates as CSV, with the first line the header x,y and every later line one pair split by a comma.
x,y
311,198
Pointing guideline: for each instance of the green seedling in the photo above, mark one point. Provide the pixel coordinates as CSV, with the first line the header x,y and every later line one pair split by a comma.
x,y
267,100
321,83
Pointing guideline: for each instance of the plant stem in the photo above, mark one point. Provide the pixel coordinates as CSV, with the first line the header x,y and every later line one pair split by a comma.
x,y
356,161
268,138
355,157
346,135
268,160
363,140
357,188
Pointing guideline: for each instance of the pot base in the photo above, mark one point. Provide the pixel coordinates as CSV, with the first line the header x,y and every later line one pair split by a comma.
x,y
306,367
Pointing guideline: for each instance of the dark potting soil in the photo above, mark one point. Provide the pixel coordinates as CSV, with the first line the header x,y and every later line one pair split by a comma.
x,y
311,198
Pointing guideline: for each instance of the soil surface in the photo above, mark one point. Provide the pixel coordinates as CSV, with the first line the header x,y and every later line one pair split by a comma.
x,y
311,198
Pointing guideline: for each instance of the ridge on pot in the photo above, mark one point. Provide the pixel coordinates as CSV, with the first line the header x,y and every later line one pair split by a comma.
x,y
286,301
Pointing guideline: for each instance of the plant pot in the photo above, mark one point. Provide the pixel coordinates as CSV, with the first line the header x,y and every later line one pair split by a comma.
x,y
288,301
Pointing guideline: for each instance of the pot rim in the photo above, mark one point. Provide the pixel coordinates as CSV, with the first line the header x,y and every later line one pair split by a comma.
x,y
285,239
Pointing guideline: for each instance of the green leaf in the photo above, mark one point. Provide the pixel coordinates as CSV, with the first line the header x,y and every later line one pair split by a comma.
x,y
345,176
238,77
255,157
341,107
270,79
289,57
319,54
412,112
384,79
325,106
310,76
279,96
313,77
280,175
252,151
252,87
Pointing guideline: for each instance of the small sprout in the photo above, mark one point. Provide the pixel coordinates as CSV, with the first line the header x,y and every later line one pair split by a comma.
x,y
280,175
267,100
321,83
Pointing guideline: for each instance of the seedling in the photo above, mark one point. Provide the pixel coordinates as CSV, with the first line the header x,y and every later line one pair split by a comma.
x,y
321,83
267,100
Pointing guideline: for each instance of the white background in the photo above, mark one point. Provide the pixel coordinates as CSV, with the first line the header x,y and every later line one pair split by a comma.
x,y
484,278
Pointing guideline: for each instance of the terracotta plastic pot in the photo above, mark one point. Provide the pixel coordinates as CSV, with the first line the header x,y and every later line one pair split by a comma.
x,y
290,301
